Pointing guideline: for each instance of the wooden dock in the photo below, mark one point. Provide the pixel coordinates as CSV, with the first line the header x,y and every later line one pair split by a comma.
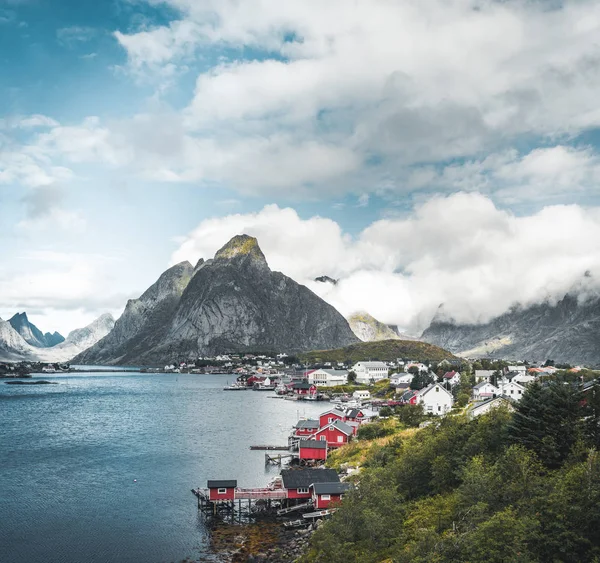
x,y
282,448
277,459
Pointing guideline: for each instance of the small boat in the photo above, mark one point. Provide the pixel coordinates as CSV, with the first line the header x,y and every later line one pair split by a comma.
x,y
235,387
319,513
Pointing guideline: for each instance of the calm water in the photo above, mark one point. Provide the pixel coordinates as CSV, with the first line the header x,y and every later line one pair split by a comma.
x,y
69,455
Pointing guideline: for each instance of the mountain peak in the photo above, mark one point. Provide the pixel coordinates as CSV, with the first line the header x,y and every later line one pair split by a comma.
x,y
241,246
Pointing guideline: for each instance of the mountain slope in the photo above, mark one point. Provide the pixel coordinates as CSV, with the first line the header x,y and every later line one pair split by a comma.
x,y
13,347
383,350
78,340
368,328
567,332
142,325
232,303
32,334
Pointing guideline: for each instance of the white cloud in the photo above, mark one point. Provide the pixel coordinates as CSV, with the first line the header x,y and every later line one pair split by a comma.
x,y
459,250
60,290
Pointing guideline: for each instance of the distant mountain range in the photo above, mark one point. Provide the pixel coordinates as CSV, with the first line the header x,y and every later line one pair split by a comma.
x,y
32,334
233,302
14,347
567,332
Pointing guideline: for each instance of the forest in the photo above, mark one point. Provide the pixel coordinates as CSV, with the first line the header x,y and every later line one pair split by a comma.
x,y
517,484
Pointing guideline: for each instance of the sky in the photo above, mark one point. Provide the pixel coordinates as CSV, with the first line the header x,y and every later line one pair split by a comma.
x,y
422,152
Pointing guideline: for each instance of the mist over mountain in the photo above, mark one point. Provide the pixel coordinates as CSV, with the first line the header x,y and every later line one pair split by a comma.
x,y
567,331
233,302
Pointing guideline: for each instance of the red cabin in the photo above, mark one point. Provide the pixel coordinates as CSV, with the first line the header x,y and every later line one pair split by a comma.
x,y
312,450
323,494
221,490
336,434
330,416
354,415
306,427
297,482
304,388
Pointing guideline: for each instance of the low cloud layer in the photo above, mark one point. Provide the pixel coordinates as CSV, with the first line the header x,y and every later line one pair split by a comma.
x,y
459,250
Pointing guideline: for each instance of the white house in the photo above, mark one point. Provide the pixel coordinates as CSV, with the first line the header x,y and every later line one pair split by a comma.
x,y
488,405
361,395
369,372
520,369
513,390
435,399
398,378
327,377
483,375
485,390
452,377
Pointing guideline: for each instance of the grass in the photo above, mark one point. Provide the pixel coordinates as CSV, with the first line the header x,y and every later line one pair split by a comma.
x,y
383,350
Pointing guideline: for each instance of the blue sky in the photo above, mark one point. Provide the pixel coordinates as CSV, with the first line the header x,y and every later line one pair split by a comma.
x,y
132,130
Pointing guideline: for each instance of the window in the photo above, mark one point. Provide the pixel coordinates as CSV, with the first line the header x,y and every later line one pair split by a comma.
x,y
340,439
303,490
439,408
437,389
325,497
330,419
323,438
221,491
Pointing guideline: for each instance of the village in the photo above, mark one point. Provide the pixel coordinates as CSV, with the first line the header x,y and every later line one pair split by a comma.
x,y
305,487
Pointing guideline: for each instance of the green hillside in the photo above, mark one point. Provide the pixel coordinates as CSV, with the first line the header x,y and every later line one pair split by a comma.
x,y
383,350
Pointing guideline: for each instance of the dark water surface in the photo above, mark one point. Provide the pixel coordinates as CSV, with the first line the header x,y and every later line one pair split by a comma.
x,y
69,455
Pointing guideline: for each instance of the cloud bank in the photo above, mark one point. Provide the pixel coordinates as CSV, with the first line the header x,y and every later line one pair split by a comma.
x,y
459,250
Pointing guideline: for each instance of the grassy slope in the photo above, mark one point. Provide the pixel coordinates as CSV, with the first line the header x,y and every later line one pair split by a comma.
x,y
383,350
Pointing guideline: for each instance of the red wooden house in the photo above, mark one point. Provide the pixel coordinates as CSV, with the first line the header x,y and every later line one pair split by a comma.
x,y
336,434
354,415
297,482
312,450
324,494
409,397
304,388
221,490
331,415
306,427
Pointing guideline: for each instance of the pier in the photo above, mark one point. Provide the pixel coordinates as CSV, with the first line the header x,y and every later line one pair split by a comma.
x,y
282,448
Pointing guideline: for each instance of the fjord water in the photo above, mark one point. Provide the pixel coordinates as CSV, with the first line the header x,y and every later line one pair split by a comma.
x,y
99,467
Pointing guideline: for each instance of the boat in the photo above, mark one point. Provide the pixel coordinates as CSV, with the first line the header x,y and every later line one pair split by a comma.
x,y
319,513
235,387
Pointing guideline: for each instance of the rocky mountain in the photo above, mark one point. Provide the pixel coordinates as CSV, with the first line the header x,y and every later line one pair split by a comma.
x,y
233,302
143,325
13,347
326,279
567,332
78,340
32,334
369,329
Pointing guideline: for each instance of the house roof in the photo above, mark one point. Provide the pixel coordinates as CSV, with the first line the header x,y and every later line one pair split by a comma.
x,y
313,444
426,390
352,413
408,395
449,374
331,488
482,384
371,365
308,424
337,412
221,484
340,372
342,426
296,478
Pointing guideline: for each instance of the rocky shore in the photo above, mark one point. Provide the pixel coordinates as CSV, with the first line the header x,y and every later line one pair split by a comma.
x,y
263,542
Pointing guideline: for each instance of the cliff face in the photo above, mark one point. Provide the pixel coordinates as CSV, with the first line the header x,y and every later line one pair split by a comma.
x,y
232,303
143,323
567,332
13,347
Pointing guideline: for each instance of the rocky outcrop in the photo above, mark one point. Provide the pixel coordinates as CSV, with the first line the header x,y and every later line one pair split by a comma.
x,y
144,323
567,332
32,334
369,329
233,302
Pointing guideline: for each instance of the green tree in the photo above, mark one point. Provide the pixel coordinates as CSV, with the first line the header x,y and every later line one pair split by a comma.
x,y
421,380
352,377
410,415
